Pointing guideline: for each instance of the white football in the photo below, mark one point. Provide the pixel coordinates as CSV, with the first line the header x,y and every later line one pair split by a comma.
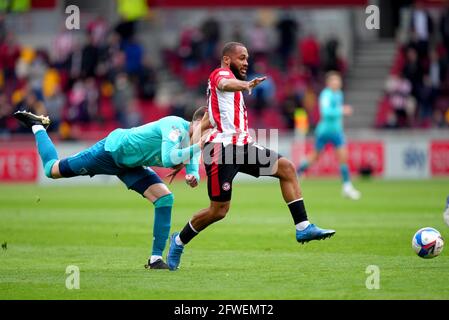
x,y
427,243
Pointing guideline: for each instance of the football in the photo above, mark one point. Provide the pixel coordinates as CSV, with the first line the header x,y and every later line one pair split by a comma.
x,y
427,243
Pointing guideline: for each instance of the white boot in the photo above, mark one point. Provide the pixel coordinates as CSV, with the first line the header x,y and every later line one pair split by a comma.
x,y
350,192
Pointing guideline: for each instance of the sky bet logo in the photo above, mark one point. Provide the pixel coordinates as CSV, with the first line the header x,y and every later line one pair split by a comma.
x,y
414,158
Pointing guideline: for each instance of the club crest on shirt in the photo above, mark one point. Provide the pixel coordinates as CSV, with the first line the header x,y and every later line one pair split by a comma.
x,y
174,134
226,186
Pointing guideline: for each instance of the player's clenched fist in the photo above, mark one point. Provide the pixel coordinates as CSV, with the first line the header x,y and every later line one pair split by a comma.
x,y
191,180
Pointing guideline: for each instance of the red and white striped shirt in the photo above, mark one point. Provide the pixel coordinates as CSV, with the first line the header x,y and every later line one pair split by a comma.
x,y
227,112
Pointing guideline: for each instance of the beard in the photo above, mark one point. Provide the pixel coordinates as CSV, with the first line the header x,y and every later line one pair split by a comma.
x,y
236,72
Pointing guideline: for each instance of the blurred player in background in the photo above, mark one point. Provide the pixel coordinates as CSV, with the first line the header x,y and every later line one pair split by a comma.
x,y
128,154
446,212
230,149
330,130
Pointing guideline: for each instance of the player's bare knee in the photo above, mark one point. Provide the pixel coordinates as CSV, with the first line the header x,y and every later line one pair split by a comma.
x,y
286,169
220,211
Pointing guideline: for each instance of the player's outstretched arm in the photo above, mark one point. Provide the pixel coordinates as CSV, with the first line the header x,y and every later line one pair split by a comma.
x,y
233,85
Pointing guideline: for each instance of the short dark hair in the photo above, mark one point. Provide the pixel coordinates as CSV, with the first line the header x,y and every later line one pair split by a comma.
x,y
230,47
199,113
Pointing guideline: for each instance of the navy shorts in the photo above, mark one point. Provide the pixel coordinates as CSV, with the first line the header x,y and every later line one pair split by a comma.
x,y
96,160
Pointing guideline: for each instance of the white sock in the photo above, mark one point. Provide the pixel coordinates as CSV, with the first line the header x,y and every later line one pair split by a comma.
x,y
37,127
178,241
153,259
302,225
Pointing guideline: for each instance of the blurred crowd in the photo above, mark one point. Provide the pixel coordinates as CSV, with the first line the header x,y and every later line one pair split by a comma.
x,y
96,80
294,61
103,79
417,91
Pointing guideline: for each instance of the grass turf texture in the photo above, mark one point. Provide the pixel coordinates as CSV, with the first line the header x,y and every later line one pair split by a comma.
x,y
251,254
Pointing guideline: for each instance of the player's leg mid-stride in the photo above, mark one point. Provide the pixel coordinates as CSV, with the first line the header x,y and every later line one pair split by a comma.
x,y
220,204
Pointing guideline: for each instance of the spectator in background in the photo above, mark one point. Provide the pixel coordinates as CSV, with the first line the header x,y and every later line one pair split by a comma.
x,y
422,26
399,93
89,58
107,54
9,54
289,105
444,29
437,70
298,78
55,103
179,104
3,30
190,46
77,111
63,46
75,63
38,69
413,71
309,50
263,95
426,99
134,55
97,29
259,41
147,80
132,117
287,29
54,97
5,113
117,65
237,34
92,97
123,96
23,64
211,34
130,12
331,55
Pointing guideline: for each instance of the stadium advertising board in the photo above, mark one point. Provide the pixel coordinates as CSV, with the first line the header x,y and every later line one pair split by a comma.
x,y
361,154
396,159
18,165
439,158
407,159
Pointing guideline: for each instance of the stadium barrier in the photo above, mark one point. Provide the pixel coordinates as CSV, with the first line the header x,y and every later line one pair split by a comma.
x,y
387,157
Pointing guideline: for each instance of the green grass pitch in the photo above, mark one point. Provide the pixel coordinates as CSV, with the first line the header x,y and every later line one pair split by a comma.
x,y
251,254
